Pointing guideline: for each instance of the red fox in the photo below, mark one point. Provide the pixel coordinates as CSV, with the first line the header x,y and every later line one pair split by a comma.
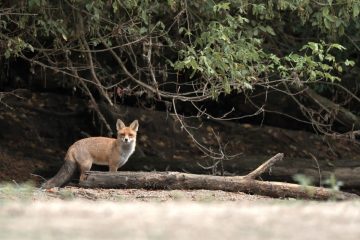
x,y
97,150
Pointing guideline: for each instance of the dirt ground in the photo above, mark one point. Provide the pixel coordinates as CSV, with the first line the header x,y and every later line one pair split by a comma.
x,y
140,195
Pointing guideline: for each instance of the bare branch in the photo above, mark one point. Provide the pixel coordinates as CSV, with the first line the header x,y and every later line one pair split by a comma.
x,y
93,73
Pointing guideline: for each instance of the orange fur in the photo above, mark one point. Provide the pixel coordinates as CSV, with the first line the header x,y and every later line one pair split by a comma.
x,y
97,150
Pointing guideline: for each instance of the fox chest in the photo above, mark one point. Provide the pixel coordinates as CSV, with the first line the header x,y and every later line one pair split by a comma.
x,y
124,155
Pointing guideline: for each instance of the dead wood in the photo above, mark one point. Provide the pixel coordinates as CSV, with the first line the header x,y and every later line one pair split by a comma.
x,y
343,115
247,183
264,167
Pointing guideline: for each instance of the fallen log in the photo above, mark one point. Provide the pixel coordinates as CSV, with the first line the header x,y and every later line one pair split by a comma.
x,y
247,183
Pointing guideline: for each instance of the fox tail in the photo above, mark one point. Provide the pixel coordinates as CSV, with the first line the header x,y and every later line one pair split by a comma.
x,y
63,176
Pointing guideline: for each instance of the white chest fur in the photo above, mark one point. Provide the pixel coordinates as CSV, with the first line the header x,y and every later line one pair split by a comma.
x,y
125,152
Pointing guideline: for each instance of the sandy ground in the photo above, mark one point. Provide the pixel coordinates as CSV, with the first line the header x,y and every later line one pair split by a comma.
x,y
140,214
180,220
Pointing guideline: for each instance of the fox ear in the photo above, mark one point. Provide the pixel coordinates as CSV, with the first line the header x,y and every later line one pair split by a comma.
x,y
134,125
119,125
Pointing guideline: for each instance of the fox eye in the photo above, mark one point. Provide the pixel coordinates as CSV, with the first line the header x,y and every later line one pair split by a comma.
x,y
131,135
122,134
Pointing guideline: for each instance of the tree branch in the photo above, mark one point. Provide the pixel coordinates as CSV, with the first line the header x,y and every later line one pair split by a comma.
x,y
265,166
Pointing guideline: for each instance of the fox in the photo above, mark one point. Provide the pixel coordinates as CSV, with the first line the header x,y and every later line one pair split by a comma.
x,y
113,152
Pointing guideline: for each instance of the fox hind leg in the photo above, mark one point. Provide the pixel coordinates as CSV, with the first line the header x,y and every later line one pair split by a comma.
x,y
84,167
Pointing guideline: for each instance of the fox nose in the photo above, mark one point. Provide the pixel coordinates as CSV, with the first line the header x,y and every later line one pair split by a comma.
x,y
126,139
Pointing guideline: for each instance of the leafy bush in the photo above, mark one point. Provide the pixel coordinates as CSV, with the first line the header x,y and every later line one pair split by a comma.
x,y
183,50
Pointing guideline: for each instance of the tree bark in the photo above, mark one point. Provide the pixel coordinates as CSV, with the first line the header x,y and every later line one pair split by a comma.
x,y
345,170
247,183
177,180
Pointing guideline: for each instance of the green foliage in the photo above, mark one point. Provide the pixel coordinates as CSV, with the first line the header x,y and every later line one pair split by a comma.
x,y
223,53
16,46
226,46
333,183
230,49
317,63
306,181
303,180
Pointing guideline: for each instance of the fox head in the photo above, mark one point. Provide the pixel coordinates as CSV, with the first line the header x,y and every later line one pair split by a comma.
x,y
126,134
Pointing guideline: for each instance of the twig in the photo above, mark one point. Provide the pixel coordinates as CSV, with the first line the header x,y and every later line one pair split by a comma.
x,y
35,175
93,73
264,167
